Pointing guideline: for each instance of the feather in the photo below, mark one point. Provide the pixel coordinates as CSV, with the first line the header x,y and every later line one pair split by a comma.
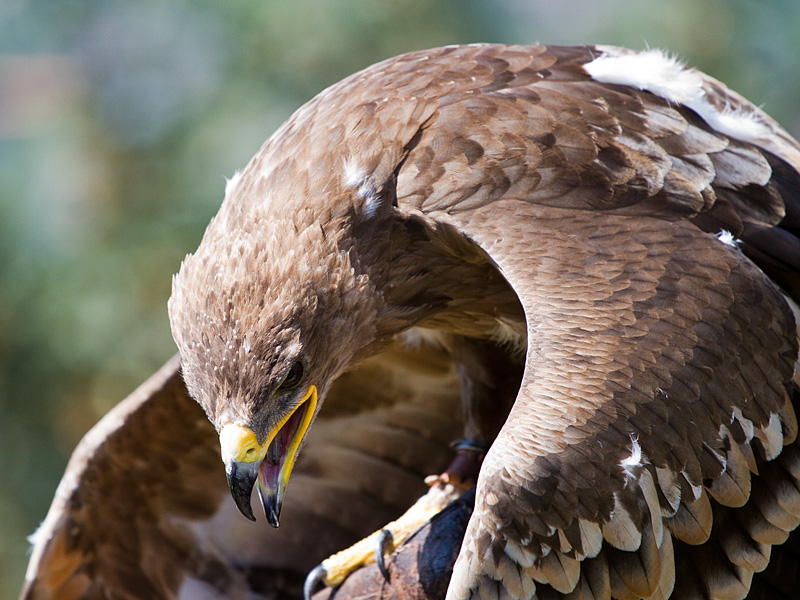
x,y
515,579
692,523
739,548
551,216
647,485
591,538
732,488
594,582
769,439
758,528
669,489
558,570
666,582
621,531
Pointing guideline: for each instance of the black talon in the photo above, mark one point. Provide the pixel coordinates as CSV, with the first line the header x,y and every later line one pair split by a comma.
x,y
385,538
315,577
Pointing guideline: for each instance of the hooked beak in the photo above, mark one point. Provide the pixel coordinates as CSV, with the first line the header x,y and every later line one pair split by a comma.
x,y
271,463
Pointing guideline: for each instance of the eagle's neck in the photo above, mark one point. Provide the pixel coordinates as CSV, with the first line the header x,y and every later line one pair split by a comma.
x,y
424,274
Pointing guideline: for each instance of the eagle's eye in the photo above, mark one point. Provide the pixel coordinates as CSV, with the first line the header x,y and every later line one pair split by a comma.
x,y
292,378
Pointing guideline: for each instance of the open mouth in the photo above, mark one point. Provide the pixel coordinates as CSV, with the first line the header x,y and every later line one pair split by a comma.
x,y
275,469
284,444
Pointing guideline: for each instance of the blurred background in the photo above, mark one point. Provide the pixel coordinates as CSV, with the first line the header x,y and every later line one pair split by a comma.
x,y
120,119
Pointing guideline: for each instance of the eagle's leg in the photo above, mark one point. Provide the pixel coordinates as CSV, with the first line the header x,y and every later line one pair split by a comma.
x,y
334,569
445,488
489,377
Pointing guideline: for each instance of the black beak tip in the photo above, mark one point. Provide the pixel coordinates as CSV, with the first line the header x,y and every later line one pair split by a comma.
x,y
272,507
247,512
241,479
273,520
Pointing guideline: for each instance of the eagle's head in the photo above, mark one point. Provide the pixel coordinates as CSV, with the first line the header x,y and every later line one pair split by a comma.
x,y
266,314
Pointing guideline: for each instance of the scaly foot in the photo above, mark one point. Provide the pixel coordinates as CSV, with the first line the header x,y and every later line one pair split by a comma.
x,y
333,570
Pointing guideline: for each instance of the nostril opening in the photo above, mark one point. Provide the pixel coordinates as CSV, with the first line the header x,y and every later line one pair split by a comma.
x,y
251,455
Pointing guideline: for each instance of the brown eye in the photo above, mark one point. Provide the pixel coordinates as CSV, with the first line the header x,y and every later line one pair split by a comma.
x,y
293,377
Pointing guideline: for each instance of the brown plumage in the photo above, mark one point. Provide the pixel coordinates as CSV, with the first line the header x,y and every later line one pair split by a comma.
x,y
605,242
143,511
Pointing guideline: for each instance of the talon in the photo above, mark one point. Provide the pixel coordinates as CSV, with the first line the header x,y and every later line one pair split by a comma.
x,y
383,545
313,579
336,568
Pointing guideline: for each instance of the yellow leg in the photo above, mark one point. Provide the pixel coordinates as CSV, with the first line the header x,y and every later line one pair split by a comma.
x,y
334,569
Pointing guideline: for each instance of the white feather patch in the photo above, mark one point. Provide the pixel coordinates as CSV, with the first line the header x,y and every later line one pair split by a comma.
x,y
665,76
231,183
37,536
37,540
739,124
726,237
650,70
635,459
355,176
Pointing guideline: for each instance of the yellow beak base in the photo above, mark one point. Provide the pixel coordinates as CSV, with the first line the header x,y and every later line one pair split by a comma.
x,y
244,458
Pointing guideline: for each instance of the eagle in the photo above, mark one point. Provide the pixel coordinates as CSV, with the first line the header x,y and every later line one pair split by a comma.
x,y
577,266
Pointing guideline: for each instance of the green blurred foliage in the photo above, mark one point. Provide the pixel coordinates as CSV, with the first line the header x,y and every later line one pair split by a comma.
x,y
119,121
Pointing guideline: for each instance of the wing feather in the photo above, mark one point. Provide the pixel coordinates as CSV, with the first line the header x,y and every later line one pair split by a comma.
x,y
143,510
601,204
653,252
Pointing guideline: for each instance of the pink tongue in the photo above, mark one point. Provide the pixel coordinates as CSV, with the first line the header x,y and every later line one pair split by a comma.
x,y
269,471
